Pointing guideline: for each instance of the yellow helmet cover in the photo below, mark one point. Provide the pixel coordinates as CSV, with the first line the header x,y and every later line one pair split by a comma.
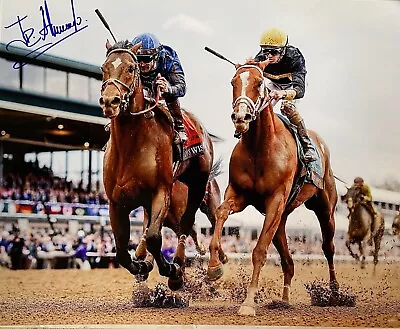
x,y
273,38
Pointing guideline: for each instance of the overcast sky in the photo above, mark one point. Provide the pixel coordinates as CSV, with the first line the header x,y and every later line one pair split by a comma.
x,y
352,53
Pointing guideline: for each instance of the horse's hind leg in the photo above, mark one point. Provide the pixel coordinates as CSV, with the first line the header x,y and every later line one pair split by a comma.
x,y
324,206
201,249
361,247
352,254
119,218
280,243
377,243
179,258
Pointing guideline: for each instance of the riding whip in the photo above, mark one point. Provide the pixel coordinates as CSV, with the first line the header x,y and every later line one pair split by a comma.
x,y
341,181
218,55
103,20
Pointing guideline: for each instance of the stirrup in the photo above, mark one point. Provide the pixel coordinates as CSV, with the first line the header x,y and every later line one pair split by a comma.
x,y
310,155
180,137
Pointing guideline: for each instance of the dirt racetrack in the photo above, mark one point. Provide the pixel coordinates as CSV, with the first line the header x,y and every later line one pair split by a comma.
x,y
105,297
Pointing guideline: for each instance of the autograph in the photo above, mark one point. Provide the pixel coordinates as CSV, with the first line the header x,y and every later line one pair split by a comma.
x,y
46,37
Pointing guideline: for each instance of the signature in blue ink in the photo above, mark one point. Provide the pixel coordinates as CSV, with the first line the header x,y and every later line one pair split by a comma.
x,y
46,37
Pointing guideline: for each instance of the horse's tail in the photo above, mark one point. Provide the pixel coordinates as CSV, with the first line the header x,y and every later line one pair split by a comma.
x,y
216,169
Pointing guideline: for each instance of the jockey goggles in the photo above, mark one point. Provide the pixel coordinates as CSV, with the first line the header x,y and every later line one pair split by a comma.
x,y
146,58
272,51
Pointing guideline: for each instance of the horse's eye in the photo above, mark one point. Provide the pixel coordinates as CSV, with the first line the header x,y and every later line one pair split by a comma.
x,y
260,83
131,68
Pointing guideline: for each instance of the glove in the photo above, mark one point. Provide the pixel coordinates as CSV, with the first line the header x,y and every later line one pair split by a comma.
x,y
165,86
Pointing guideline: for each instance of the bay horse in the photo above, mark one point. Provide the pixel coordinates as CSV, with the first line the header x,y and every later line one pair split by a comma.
x,y
138,165
208,206
262,169
359,230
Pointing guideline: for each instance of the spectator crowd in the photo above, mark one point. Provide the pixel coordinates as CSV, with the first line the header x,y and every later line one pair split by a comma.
x,y
51,248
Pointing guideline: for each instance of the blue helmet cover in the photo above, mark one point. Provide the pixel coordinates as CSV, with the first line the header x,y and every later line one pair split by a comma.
x,y
150,44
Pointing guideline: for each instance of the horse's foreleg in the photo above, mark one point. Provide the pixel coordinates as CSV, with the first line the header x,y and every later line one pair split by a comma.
x,y
280,243
141,249
159,209
119,219
201,249
273,209
233,203
352,254
210,209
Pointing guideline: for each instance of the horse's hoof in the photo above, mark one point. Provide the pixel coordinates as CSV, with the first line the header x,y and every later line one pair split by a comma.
x,y
334,286
179,261
149,266
202,251
214,273
175,284
141,277
247,310
223,259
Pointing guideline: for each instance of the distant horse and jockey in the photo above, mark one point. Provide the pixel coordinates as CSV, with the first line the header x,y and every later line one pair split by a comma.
x,y
366,224
396,225
139,168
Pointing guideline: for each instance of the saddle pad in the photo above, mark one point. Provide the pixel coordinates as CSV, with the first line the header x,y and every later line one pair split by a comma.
x,y
313,170
194,145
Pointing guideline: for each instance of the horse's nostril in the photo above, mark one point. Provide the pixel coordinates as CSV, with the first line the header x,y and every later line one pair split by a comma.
x,y
116,100
233,116
101,101
247,117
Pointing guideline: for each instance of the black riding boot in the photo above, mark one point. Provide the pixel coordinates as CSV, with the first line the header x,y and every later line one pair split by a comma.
x,y
175,109
309,150
288,108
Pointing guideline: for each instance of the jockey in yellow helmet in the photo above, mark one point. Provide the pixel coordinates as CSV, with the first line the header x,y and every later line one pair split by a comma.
x,y
286,71
365,192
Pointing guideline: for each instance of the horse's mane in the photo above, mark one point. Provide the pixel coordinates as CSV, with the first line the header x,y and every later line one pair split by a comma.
x,y
125,44
250,61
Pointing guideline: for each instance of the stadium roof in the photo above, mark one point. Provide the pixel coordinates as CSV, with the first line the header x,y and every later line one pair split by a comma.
x,y
18,54
30,122
27,127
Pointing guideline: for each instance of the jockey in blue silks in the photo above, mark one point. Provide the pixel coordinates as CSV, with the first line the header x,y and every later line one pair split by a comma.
x,y
160,67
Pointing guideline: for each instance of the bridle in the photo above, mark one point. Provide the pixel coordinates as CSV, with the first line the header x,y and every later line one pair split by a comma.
x,y
125,96
262,101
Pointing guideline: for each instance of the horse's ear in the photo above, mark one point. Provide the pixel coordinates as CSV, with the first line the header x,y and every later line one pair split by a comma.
x,y
108,44
237,66
136,47
262,65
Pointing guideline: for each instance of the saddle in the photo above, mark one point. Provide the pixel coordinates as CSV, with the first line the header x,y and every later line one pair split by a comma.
x,y
311,172
194,144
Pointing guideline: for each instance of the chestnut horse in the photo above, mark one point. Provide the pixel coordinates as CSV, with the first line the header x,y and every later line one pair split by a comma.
x,y
360,226
138,165
262,170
